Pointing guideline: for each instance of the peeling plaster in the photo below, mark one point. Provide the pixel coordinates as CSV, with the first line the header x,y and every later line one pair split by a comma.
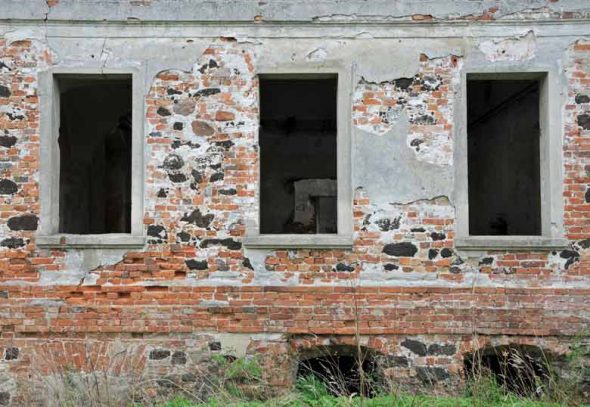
x,y
377,107
399,174
402,162
82,266
295,11
392,65
27,33
510,49
317,54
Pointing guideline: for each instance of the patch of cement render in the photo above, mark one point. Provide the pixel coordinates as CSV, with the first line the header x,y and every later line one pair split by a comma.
x,y
378,61
388,65
80,266
263,277
388,169
510,49
236,344
24,33
373,273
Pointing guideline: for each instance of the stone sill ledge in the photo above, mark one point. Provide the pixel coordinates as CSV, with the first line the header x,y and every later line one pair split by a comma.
x,y
510,243
102,241
324,241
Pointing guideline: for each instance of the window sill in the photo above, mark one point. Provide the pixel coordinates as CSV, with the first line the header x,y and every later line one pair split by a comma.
x,y
106,241
298,241
510,243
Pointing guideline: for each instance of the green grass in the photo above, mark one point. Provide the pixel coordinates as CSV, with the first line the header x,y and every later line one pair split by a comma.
x,y
295,400
310,392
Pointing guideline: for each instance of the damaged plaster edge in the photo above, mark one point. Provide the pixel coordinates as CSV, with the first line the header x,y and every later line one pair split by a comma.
x,y
525,14
581,38
486,15
377,18
513,48
237,344
529,32
416,18
56,279
435,200
289,11
409,72
25,33
155,68
422,280
363,80
82,267
36,35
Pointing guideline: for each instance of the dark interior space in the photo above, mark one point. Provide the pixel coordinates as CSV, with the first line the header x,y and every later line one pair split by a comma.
x,y
337,367
503,157
520,369
298,154
95,154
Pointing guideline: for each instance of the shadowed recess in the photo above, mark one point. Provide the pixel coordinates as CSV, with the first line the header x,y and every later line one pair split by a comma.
x,y
503,157
95,153
343,369
298,154
520,369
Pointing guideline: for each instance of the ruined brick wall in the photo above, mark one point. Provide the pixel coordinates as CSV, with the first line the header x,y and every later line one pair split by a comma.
x,y
194,290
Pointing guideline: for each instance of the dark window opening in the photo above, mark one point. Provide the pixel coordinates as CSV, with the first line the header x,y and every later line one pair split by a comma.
x,y
344,370
95,154
298,192
503,157
520,369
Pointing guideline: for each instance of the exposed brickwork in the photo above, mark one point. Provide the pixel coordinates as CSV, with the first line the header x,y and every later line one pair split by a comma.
x,y
403,286
20,62
319,310
202,179
423,98
576,144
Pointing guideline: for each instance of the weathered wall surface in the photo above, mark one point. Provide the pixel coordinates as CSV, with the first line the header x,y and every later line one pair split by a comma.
x,y
194,288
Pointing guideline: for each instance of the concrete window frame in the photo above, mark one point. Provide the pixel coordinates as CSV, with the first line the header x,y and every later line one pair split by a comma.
x,y
551,151
48,235
343,239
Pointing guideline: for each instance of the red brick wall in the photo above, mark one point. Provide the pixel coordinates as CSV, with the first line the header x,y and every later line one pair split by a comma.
x,y
195,279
